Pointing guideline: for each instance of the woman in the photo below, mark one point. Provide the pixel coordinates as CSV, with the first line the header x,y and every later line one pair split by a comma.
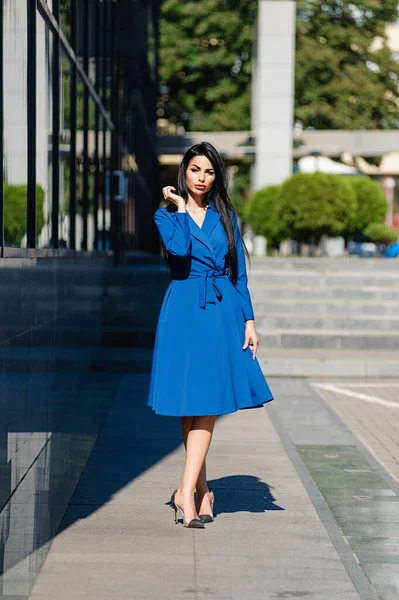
x,y
204,361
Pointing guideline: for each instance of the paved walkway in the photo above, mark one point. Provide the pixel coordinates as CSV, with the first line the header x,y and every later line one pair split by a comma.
x,y
371,410
286,479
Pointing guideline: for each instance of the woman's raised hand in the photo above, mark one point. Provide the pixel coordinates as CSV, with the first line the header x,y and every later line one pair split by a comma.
x,y
168,194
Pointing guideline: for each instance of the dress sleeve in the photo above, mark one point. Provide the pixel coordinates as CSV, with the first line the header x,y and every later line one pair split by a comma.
x,y
242,279
174,231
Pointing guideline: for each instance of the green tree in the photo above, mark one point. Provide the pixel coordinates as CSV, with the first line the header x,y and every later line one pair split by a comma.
x,y
371,203
15,199
263,214
346,77
381,233
317,204
206,50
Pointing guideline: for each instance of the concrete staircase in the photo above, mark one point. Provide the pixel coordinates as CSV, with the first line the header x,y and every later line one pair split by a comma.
x,y
80,315
327,317
315,317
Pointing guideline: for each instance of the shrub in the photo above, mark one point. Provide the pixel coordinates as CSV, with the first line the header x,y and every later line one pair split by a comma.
x,y
371,203
381,234
316,204
262,213
15,205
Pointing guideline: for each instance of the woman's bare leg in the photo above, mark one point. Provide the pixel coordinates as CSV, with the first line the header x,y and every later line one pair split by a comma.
x,y
197,443
203,498
186,423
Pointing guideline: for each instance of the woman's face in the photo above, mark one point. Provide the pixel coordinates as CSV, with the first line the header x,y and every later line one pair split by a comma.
x,y
200,176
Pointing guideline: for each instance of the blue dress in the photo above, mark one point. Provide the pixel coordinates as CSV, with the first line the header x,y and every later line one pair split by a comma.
x,y
199,366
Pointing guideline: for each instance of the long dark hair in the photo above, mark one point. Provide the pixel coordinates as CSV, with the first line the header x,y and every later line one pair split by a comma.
x,y
218,194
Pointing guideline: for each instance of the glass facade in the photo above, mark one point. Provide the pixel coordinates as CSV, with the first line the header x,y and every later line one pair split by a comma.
x,y
79,158
77,91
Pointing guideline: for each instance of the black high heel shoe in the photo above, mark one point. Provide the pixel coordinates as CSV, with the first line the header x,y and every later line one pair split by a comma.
x,y
193,524
208,518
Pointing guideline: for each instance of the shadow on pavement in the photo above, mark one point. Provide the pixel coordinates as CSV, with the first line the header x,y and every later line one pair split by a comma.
x,y
242,493
132,441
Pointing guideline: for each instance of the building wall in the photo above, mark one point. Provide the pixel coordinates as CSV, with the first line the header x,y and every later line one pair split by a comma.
x,y
59,319
60,309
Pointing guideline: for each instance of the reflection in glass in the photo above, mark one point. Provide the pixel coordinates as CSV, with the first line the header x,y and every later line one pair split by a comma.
x,y
40,465
15,122
104,213
79,159
65,148
91,176
44,102
65,17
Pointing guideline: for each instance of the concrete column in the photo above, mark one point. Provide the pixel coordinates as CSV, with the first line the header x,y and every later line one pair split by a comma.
x,y
273,92
15,67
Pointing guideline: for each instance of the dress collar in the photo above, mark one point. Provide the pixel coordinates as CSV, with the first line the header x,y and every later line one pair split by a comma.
x,y
203,234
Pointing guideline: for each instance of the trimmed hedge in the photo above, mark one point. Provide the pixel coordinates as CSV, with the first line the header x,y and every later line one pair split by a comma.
x,y
316,204
381,234
371,202
15,205
262,213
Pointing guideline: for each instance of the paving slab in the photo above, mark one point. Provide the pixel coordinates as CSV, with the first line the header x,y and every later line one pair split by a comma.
x,y
370,409
118,538
345,478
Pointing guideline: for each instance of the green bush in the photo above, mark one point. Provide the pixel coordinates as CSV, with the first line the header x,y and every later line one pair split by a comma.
x,y
371,203
262,213
316,204
15,205
381,234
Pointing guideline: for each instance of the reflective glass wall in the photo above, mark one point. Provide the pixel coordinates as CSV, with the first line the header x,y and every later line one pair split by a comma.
x,y
54,87
79,83
77,98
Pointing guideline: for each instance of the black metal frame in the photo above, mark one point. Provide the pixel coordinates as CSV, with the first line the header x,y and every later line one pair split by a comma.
x,y
96,19
86,164
55,202
73,116
106,84
113,111
31,119
1,132
50,21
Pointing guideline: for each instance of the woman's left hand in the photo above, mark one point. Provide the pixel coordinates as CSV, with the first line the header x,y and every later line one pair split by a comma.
x,y
251,337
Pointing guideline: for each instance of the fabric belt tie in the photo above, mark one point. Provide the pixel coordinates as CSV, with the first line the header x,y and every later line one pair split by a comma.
x,y
209,287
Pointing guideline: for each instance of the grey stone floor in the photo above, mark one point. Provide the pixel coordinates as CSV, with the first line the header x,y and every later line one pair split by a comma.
x,y
371,411
274,535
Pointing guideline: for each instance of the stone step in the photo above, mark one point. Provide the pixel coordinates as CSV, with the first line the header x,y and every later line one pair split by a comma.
x,y
353,280
325,307
324,264
132,337
328,322
309,338
85,336
276,362
260,293
123,360
310,362
90,290
142,259
129,320
76,359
